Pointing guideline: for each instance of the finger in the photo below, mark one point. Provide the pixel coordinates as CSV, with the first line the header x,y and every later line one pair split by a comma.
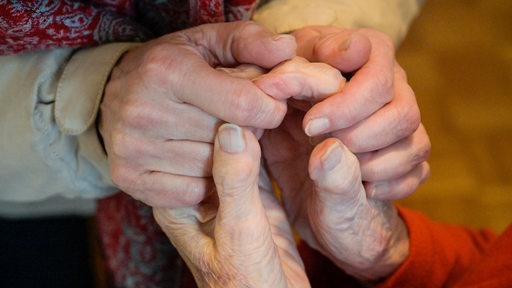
x,y
397,159
238,101
352,231
228,98
369,89
235,171
232,43
196,51
336,173
185,158
158,189
134,113
243,71
301,80
185,223
255,44
344,49
400,187
145,127
398,119
242,228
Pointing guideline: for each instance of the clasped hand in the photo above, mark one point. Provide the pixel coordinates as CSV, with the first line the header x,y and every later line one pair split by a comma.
x,y
165,101
241,237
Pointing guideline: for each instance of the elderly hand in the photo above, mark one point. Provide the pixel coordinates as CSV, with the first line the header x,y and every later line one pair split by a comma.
x,y
163,102
364,237
242,238
375,115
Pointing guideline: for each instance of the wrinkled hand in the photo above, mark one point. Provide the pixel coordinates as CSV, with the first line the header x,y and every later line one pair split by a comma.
x,y
364,237
375,115
163,102
242,238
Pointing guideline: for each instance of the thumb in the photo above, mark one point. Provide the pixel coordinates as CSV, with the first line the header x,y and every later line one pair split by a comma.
x,y
302,80
344,49
337,176
241,217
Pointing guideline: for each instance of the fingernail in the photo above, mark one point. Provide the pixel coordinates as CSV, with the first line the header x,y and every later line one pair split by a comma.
x,y
377,190
231,139
280,37
332,157
317,126
345,44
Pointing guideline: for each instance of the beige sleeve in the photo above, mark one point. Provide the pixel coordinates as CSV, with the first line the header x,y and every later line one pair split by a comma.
x,y
49,145
390,16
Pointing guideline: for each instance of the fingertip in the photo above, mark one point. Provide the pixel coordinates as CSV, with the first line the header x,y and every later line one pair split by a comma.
x,y
254,43
332,157
325,157
316,126
230,138
348,54
236,159
356,52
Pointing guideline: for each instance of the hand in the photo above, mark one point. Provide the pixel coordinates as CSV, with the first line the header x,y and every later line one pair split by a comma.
x,y
163,102
364,237
375,115
242,238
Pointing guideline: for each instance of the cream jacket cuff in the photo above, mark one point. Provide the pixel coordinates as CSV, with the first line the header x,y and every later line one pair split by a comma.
x,y
49,145
390,16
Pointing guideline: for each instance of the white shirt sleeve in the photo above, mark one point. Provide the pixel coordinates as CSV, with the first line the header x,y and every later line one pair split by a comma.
x,y
390,16
49,146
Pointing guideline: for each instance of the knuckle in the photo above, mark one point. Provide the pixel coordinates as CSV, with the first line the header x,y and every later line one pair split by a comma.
x,y
236,179
407,120
131,111
140,114
121,145
422,153
257,111
383,38
246,108
383,84
249,27
122,178
190,193
407,187
156,64
330,80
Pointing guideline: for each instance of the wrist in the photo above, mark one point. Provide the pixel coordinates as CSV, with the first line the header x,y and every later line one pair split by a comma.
x,y
382,244
394,248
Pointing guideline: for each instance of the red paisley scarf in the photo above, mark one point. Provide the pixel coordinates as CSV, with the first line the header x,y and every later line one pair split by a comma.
x,y
45,24
137,253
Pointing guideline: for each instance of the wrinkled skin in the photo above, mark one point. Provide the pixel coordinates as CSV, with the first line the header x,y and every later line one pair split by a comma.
x,y
162,105
243,238
375,115
165,100
322,190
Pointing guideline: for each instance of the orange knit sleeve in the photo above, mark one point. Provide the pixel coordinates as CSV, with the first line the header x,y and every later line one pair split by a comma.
x,y
440,254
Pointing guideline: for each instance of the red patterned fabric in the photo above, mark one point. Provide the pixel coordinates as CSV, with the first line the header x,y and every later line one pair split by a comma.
x,y
137,253
42,24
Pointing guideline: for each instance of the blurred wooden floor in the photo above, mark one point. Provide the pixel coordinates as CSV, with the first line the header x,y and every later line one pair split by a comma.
x,y
458,57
